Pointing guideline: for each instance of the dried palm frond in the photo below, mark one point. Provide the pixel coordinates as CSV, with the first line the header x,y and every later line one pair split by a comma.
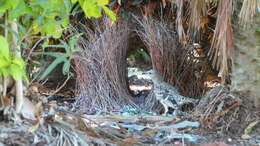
x,y
179,21
214,2
248,11
221,50
198,11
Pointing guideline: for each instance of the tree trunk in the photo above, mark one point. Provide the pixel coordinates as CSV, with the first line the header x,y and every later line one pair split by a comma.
x,y
19,83
246,69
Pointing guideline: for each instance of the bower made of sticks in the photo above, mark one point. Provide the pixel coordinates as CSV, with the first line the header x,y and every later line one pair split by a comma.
x,y
101,65
180,65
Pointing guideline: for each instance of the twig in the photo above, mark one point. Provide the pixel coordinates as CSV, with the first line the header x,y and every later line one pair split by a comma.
x,y
65,82
208,110
34,46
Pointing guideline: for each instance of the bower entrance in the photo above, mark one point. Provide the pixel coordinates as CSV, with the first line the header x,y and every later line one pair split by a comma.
x,y
138,62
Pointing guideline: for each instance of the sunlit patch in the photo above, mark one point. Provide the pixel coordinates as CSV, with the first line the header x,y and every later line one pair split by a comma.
x,y
212,84
140,87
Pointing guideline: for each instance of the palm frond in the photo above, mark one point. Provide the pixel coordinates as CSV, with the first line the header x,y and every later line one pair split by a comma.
x,y
198,11
179,20
221,50
247,12
213,2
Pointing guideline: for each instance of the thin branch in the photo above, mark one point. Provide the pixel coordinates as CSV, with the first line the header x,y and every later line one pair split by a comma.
x,y
34,46
65,82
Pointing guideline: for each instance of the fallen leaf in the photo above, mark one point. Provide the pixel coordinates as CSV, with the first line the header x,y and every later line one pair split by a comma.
x,y
249,129
245,136
6,101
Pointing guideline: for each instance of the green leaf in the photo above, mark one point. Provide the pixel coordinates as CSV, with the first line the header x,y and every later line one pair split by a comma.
x,y
66,67
19,62
4,5
4,48
51,67
4,62
16,72
52,28
91,8
17,68
20,10
73,44
73,1
4,72
4,65
35,27
54,46
66,47
14,3
110,13
102,2
22,29
65,22
68,6
55,8
145,56
81,2
8,5
53,54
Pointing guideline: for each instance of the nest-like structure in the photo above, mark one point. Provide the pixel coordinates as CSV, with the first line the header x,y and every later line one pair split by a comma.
x,y
101,67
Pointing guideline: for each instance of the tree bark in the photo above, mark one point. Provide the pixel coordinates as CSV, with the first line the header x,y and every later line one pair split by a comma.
x,y
246,68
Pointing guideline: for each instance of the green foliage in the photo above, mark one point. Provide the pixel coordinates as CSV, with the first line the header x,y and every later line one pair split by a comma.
x,y
46,18
6,5
49,17
140,54
92,8
9,65
258,30
4,51
61,58
20,9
